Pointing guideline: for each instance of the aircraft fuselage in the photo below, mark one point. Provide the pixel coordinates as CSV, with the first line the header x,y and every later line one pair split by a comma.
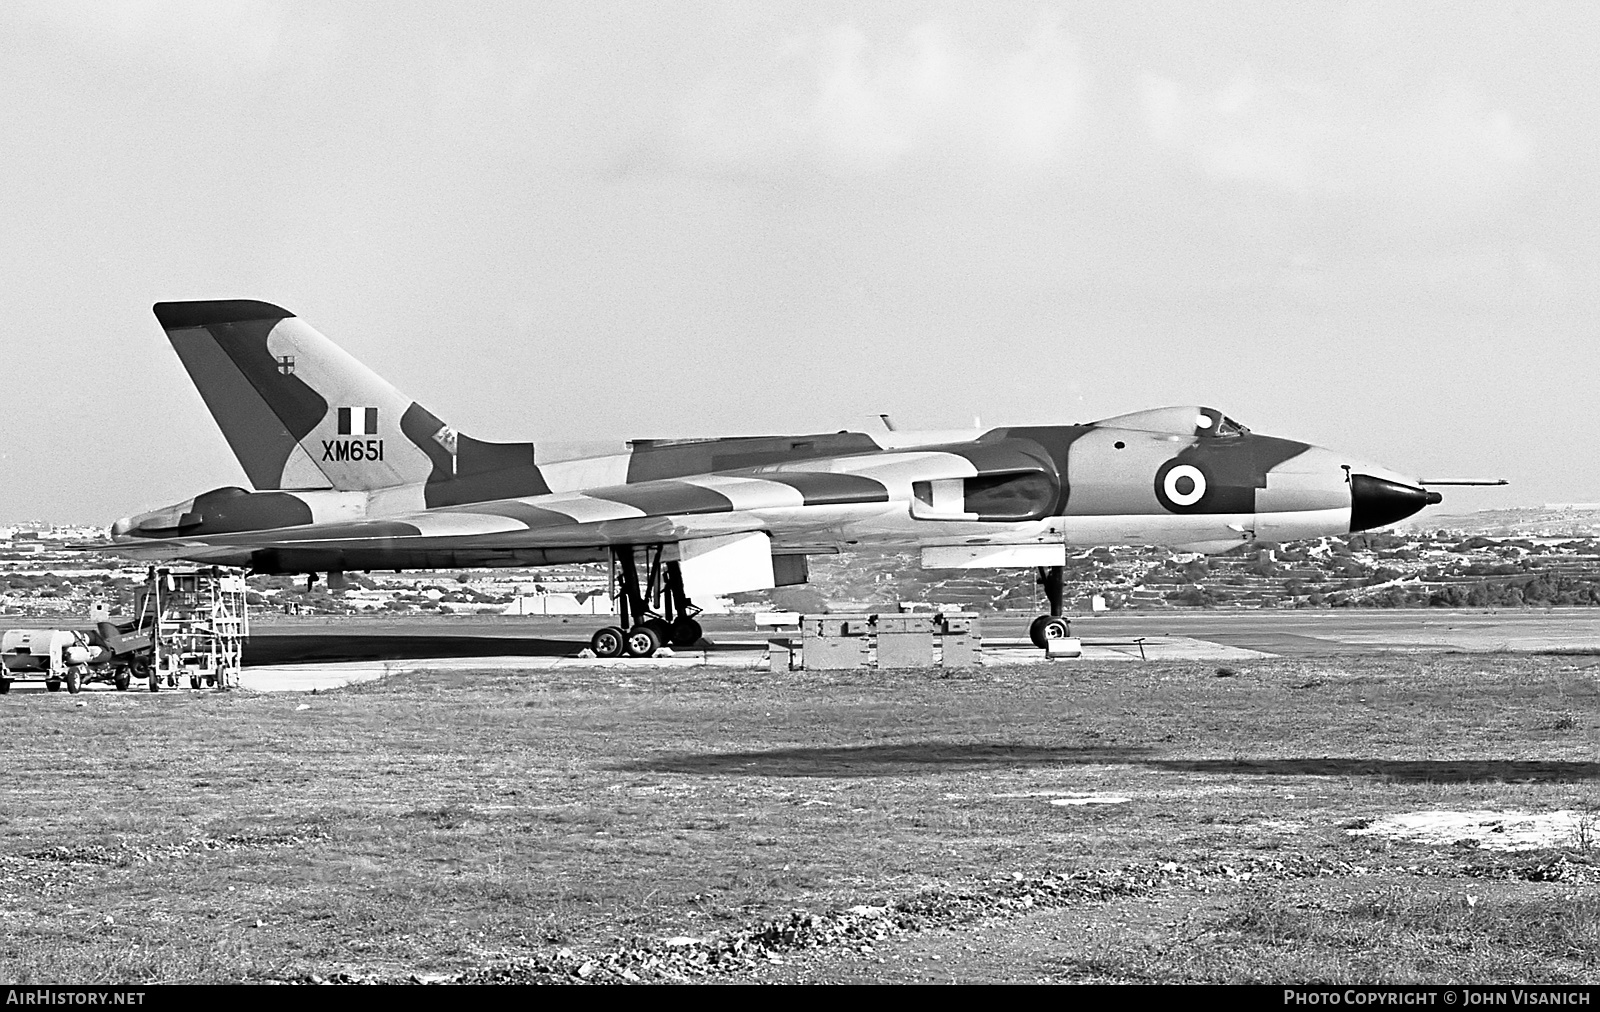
x,y
1182,477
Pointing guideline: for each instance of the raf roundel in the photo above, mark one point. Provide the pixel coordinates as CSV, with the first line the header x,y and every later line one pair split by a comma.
x,y
1181,486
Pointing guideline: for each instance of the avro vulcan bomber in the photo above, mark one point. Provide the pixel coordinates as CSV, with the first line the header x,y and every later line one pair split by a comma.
x,y
346,473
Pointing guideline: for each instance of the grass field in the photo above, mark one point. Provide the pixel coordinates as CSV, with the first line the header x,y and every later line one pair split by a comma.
x,y
564,827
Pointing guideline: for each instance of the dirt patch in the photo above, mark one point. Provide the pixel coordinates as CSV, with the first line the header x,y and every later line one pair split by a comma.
x,y
1490,830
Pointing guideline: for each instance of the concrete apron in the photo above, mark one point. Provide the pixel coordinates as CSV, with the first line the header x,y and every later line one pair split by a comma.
x,y
331,675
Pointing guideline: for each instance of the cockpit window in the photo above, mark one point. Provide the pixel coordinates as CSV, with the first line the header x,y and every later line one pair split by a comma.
x,y
1182,420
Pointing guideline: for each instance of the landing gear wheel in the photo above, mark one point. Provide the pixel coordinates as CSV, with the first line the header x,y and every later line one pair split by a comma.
x,y
643,641
686,632
154,680
1048,627
5,686
662,627
608,642
194,681
122,680
53,684
74,681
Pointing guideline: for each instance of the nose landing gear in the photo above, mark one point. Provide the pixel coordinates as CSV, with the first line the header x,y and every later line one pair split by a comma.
x,y
1053,626
655,612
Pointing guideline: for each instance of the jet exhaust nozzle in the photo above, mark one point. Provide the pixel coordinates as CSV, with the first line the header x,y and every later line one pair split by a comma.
x,y
1378,502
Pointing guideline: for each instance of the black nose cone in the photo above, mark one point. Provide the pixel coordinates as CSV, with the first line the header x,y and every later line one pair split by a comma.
x,y
1378,502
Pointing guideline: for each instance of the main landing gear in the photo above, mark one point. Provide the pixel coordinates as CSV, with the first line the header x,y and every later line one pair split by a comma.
x,y
1053,626
654,614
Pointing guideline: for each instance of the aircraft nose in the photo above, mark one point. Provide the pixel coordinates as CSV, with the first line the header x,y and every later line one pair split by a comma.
x,y
122,527
1378,502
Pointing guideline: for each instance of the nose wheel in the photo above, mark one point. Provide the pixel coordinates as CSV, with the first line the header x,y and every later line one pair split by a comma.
x,y
1049,627
1053,626
655,611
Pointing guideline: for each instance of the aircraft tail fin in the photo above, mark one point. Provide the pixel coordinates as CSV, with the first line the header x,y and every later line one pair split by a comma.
x,y
298,410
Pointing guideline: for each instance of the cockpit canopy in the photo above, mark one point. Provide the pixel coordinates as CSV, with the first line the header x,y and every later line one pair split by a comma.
x,y
1178,421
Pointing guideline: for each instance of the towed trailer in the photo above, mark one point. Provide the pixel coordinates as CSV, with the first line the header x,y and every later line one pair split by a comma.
x,y
55,657
73,657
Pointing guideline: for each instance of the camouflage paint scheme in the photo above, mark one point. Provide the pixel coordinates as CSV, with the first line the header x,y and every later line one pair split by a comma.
x,y
351,474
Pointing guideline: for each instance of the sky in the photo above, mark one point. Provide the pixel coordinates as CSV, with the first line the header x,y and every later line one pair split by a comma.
x,y
1372,226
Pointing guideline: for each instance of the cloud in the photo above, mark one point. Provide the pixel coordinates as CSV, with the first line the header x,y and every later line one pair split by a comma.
x,y
194,36
850,104
1440,143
